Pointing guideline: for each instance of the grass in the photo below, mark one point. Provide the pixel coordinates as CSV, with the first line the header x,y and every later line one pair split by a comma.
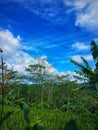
x,y
50,119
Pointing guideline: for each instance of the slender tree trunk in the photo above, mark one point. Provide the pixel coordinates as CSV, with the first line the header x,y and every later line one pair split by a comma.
x,y
42,95
2,92
49,91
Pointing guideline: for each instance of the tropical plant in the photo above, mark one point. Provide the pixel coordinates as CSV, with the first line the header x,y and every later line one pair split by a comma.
x,y
86,71
8,78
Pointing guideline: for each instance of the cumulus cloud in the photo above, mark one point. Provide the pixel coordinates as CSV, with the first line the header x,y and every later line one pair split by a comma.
x,y
12,51
8,43
78,58
14,55
80,46
86,13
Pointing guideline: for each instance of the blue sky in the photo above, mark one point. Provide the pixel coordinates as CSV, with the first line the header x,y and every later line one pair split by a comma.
x,y
51,30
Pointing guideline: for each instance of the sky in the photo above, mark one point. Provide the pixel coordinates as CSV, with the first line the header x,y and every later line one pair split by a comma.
x,y
50,32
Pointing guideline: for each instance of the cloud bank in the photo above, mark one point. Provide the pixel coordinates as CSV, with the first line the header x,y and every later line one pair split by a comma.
x,y
14,55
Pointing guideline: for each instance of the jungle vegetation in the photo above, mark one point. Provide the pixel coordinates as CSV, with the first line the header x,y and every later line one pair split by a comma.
x,y
51,102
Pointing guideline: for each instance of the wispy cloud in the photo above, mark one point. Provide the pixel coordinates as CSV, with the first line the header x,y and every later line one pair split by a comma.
x,y
51,46
80,46
55,10
86,13
51,10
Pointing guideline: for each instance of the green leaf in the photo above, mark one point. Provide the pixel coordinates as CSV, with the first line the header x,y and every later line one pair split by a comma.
x,y
94,50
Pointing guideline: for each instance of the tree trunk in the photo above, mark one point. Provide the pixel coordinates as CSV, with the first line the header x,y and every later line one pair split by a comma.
x,y
42,95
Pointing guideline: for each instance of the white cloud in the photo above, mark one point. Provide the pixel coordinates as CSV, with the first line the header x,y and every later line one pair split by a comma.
x,y
86,13
70,76
12,51
78,59
49,68
78,4
80,46
14,55
8,43
88,57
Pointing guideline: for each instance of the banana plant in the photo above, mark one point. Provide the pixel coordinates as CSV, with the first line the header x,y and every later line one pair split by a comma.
x,y
86,71
94,50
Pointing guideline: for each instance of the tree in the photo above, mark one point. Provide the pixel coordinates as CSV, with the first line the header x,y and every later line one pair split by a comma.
x,y
37,72
86,71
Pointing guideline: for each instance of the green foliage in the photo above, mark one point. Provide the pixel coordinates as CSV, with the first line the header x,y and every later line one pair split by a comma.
x,y
24,106
7,115
94,50
38,127
50,119
35,124
86,70
63,102
71,125
36,72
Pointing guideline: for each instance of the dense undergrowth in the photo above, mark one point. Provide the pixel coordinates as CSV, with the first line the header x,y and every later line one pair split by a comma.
x,y
51,119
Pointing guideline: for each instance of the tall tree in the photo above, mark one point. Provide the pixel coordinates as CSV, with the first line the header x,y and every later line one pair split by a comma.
x,y
37,72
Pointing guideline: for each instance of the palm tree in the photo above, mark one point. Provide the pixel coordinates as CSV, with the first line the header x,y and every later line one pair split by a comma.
x,y
86,70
